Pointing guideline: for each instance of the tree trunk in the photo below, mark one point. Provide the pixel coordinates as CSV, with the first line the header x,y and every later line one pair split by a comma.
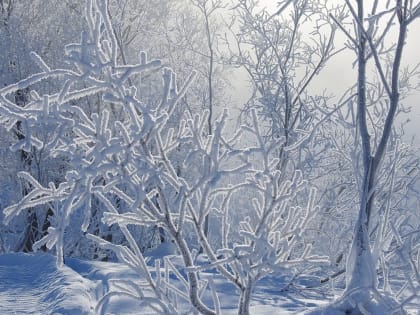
x,y
245,299
360,271
360,268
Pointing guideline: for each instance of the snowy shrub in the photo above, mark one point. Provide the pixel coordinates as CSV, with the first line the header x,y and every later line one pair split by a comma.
x,y
130,167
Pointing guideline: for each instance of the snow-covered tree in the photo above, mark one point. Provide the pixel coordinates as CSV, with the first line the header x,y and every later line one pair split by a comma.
x,y
132,167
377,103
282,63
26,26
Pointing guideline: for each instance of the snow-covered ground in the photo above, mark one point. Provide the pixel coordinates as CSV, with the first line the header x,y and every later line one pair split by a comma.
x,y
32,284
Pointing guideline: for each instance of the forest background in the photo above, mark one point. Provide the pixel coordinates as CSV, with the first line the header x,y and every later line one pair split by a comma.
x,y
128,130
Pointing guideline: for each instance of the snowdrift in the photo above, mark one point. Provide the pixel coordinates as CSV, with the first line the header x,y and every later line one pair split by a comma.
x,y
32,284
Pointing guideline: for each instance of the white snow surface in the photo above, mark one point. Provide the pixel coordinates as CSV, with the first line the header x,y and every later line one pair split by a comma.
x,y
32,284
